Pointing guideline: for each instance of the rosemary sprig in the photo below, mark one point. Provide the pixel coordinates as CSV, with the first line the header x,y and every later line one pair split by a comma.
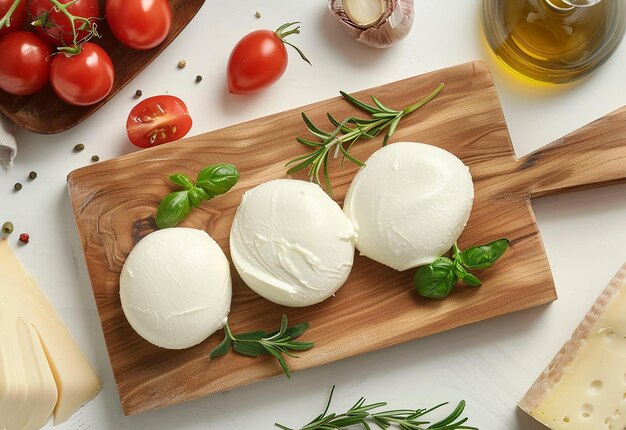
x,y
363,415
257,342
346,133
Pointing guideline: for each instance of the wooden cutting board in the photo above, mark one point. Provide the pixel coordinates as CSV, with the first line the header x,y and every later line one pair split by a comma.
x,y
115,202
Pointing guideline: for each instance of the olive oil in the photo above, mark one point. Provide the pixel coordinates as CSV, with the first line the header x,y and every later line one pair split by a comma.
x,y
551,41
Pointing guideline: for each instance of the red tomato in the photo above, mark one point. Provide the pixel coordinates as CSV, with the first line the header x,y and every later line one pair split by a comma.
x,y
158,120
85,78
18,17
25,64
139,24
56,26
259,60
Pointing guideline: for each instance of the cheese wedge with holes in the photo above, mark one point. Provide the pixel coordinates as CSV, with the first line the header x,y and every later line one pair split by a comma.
x,y
584,387
42,371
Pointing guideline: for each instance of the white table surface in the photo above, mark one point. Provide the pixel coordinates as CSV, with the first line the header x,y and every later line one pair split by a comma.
x,y
490,364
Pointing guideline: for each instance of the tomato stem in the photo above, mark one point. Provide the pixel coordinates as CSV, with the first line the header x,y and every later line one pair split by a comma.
x,y
284,31
6,19
84,24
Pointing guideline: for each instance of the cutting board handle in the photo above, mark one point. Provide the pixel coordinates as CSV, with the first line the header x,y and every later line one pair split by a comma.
x,y
592,156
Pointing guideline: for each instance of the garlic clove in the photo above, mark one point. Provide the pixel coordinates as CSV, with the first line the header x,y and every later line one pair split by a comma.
x,y
364,13
363,21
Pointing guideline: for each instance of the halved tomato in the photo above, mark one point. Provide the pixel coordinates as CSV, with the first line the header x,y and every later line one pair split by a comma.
x,y
157,120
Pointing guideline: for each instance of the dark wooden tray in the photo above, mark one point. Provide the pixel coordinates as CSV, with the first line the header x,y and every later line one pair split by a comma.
x,y
44,112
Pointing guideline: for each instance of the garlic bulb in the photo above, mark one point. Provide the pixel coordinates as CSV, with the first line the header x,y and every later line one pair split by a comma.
x,y
377,23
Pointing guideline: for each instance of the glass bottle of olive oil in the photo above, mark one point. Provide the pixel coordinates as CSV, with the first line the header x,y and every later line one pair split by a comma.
x,y
553,41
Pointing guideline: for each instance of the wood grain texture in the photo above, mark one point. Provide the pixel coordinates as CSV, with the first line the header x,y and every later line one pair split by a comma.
x,y
377,303
45,113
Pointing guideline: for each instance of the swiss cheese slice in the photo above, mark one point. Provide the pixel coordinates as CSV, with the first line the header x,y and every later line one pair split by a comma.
x,y
42,370
584,387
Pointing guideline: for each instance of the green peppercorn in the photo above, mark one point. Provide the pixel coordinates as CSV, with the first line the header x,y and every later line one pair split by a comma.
x,y
17,186
7,227
79,147
95,158
32,175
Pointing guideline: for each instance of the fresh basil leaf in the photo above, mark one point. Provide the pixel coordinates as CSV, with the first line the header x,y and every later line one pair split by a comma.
x,y
173,209
197,195
217,179
459,271
222,348
456,253
436,280
251,349
471,280
484,256
182,180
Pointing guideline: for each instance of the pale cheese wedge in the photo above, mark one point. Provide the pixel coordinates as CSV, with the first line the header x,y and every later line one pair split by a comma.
x,y
584,387
42,370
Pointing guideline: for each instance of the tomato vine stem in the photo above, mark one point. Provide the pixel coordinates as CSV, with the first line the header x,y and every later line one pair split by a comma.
x,y
6,19
85,22
284,31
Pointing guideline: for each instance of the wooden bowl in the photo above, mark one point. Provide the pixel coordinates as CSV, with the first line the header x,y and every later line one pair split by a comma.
x,y
44,112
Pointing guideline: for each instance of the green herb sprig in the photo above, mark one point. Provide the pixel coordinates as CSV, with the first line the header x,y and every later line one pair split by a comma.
x,y
346,133
436,280
364,415
257,342
212,181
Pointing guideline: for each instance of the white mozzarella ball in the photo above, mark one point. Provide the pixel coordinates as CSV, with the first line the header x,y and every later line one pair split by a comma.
x,y
175,287
409,204
291,243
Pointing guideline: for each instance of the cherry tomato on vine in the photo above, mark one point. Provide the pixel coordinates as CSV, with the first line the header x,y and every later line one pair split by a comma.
x,y
56,27
260,59
18,17
25,63
139,24
84,78
157,120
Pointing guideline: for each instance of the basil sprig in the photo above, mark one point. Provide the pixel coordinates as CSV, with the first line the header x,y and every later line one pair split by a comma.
x,y
212,181
436,280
